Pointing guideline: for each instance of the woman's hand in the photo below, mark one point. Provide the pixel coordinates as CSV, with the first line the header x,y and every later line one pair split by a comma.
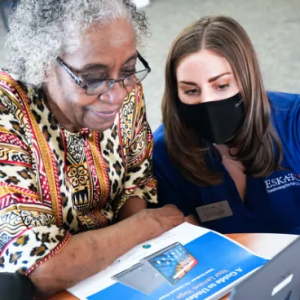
x,y
162,219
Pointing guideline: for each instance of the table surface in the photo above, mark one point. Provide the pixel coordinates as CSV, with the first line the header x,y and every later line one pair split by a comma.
x,y
266,245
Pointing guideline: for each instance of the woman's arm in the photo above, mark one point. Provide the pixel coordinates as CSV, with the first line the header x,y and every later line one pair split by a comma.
x,y
132,206
88,253
192,220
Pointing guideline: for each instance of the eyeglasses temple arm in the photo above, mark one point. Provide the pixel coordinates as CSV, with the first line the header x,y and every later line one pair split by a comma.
x,y
144,62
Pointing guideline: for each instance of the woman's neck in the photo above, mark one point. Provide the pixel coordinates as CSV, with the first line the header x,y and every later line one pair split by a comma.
x,y
58,113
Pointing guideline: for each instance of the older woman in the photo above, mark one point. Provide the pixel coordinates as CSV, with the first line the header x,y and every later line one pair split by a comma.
x,y
75,156
228,154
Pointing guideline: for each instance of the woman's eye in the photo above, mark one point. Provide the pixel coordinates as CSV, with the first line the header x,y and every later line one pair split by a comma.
x,y
127,73
93,79
223,86
191,92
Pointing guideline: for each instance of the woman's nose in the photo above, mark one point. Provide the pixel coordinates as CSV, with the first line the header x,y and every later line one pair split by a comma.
x,y
206,96
116,94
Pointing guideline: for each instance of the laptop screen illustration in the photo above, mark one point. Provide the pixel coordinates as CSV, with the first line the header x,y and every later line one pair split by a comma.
x,y
174,263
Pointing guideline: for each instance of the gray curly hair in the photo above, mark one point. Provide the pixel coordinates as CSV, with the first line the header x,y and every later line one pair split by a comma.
x,y
41,30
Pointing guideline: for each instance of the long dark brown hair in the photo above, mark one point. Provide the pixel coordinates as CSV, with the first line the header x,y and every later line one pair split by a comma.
x,y
257,140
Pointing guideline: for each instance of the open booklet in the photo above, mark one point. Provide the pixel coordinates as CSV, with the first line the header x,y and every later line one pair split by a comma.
x,y
185,263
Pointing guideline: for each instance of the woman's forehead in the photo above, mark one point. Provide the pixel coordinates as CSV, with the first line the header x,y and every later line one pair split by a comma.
x,y
112,43
204,62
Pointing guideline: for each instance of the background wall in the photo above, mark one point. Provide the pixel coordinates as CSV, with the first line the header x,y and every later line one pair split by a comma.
x,y
273,25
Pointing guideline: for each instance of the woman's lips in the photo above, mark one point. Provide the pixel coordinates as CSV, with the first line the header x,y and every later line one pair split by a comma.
x,y
105,114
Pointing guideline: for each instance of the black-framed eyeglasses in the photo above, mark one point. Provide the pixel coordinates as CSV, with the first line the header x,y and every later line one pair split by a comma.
x,y
102,86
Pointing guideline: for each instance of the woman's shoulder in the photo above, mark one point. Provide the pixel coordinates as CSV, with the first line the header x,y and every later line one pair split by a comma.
x,y
285,116
160,152
8,79
160,147
11,87
158,135
13,106
281,100
285,108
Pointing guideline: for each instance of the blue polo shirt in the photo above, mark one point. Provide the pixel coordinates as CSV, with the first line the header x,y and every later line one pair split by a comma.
x,y
272,203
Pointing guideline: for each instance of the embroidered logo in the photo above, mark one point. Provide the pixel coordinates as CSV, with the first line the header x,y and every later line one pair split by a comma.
x,y
282,182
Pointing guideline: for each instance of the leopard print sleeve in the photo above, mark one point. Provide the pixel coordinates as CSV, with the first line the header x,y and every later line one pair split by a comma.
x,y
138,141
28,231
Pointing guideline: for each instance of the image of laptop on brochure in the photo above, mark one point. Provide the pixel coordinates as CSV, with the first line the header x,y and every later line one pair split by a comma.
x,y
172,262
142,277
166,265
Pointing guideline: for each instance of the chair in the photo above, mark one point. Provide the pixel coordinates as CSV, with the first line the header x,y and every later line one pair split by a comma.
x,y
15,287
4,5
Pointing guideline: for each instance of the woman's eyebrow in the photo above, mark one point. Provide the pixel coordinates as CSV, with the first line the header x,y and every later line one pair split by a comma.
x,y
92,67
188,82
217,77
100,66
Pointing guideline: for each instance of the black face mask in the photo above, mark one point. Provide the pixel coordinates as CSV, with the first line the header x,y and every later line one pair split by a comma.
x,y
215,121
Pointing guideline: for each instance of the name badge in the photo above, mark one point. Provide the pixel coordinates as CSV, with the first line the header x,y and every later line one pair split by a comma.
x,y
214,211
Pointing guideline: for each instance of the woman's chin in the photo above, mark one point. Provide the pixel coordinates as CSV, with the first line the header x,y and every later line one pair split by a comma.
x,y
100,127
